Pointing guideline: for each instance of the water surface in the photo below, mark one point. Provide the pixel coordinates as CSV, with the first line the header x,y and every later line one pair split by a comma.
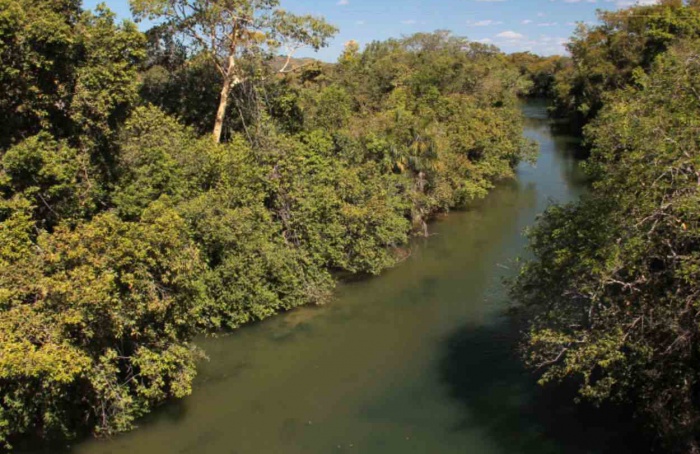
x,y
418,360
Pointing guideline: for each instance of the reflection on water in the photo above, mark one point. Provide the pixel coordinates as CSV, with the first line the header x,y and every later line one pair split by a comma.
x,y
419,360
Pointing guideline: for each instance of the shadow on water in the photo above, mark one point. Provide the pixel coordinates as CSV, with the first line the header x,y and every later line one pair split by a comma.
x,y
173,411
483,372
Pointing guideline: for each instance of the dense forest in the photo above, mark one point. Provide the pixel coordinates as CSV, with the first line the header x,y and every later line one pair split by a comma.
x,y
197,177
156,186
610,298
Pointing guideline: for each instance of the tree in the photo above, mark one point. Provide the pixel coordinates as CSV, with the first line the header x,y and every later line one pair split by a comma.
x,y
235,33
541,71
610,56
611,298
64,71
37,63
95,322
124,233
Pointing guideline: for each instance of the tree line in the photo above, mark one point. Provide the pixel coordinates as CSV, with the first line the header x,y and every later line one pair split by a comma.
x,y
610,299
196,177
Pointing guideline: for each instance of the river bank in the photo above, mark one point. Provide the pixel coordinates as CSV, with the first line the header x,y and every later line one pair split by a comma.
x,y
417,360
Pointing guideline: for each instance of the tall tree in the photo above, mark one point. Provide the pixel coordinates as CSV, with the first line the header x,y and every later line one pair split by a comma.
x,y
611,297
231,32
615,53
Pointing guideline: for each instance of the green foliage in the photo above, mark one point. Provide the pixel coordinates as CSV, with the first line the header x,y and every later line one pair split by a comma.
x,y
188,93
611,296
434,112
149,168
52,175
64,71
234,36
348,217
609,56
542,71
125,231
106,82
36,65
253,271
103,311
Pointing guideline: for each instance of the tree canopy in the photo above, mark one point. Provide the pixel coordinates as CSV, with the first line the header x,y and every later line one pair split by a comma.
x,y
125,230
610,299
235,34
612,55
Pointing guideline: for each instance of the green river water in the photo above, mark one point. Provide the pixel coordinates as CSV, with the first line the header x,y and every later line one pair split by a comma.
x,y
418,360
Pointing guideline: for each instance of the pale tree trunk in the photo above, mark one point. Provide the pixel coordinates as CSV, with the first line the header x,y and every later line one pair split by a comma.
x,y
221,113
229,79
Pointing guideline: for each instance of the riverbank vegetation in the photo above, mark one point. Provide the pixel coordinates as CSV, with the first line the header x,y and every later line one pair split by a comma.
x,y
126,229
611,296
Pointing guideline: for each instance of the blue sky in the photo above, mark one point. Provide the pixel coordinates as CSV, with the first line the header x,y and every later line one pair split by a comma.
x,y
540,26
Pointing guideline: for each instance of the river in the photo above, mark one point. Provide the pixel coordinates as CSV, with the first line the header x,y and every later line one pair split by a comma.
x,y
418,360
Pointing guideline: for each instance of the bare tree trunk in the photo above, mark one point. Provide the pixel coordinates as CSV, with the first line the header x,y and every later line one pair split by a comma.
x,y
221,113
231,79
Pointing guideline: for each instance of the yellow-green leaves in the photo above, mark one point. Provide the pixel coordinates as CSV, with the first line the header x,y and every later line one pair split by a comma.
x,y
611,296
124,232
99,295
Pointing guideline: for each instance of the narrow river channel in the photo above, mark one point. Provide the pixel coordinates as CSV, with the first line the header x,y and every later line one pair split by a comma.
x,y
418,360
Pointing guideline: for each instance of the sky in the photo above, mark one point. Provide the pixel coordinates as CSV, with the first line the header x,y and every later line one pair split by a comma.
x,y
539,26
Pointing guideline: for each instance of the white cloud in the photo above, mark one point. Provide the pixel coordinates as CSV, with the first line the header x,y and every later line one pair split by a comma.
x,y
626,3
510,34
483,23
